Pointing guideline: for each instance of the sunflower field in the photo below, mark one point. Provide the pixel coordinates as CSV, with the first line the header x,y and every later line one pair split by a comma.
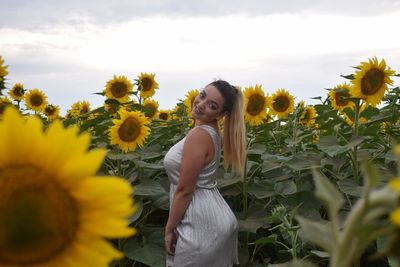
x,y
321,188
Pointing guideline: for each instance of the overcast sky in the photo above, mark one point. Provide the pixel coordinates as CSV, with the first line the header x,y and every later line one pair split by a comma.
x,y
70,49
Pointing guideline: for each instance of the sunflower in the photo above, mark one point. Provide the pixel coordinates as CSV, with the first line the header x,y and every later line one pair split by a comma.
x,y
130,130
255,105
370,82
152,108
119,88
190,96
53,210
4,102
111,108
339,97
52,112
395,215
17,92
282,103
84,107
350,118
35,100
147,84
307,118
75,110
164,115
3,69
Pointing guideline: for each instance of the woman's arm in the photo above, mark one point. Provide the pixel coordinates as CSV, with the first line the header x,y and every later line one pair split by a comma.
x,y
195,151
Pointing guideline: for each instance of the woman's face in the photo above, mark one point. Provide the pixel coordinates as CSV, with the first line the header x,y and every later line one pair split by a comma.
x,y
208,105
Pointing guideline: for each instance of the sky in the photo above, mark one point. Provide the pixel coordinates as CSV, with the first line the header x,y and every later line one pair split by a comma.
x,y
70,49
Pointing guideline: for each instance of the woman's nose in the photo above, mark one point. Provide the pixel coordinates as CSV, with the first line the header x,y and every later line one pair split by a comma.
x,y
201,104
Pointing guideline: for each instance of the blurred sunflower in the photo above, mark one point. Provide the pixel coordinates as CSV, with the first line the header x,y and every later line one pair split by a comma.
x,y
111,108
84,107
53,210
52,112
4,102
178,112
130,130
164,115
339,97
3,69
17,92
255,105
190,96
147,84
119,88
282,103
307,117
35,100
395,215
152,108
350,118
370,82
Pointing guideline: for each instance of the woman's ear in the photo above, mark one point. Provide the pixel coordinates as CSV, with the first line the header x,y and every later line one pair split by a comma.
x,y
223,114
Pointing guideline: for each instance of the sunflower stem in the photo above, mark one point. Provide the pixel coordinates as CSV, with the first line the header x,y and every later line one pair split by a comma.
x,y
355,134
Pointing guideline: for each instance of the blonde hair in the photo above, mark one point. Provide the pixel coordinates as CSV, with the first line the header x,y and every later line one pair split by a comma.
x,y
234,142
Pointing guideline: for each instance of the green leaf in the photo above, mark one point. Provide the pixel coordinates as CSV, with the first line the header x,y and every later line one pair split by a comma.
x,y
266,240
155,191
153,166
327,192
150,254
350,187
285,187
371,175
304,161
330,145
318,233
256,218
262,189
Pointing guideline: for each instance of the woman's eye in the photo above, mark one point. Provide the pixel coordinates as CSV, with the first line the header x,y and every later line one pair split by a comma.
x,y
213,107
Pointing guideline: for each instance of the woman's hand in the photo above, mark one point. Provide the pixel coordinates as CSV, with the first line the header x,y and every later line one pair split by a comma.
x,y
170,241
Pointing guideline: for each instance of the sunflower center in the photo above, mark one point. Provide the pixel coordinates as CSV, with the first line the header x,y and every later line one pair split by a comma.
x,y
150,111
84,110
256,104
36,100
38,218
146,84
372,81
342,98
49,111
163,116
119,89
129,130
281,104
18,91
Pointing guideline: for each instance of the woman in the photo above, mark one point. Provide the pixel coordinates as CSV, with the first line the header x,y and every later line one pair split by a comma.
x,y
201,229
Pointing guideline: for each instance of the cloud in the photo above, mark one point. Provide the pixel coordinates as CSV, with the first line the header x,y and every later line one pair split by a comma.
x,y
46,13
302,53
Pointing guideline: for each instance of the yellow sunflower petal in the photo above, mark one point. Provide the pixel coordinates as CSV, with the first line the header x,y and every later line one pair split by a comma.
x,y
395,184
395,217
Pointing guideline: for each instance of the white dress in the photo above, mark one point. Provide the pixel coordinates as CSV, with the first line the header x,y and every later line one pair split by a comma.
x,y
207,233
